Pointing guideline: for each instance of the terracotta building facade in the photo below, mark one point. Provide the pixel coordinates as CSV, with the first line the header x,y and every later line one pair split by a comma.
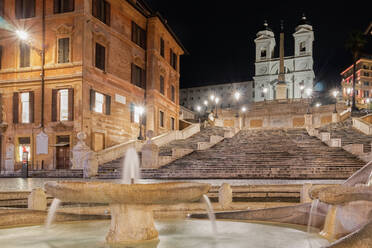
x,y
363,86
104,61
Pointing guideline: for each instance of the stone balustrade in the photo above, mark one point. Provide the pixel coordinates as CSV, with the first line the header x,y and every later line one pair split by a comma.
x,y
362,125
116,151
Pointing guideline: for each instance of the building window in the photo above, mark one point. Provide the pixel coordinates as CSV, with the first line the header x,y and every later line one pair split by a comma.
x,y
161,118
23,107
101,10
24,9
63,50
100,103
135,113
173,93
2,8
366,83
138,35
263,53
100,57
366,74
303,47
366,93
138,76
24,145
62,104
62,6
173,59
172,123
24,55
162,47
161,85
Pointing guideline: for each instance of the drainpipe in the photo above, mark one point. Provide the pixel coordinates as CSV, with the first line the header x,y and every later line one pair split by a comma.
x,y
42,67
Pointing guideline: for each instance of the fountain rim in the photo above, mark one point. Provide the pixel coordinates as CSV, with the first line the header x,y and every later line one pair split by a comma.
x,y
116,193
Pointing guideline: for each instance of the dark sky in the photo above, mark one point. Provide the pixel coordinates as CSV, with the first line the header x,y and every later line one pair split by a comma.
x,y
219,35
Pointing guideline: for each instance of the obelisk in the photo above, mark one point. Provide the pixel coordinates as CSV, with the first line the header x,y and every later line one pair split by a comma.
x,y
281,86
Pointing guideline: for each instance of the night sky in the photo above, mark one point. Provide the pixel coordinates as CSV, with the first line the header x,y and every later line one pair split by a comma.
x,y
219,35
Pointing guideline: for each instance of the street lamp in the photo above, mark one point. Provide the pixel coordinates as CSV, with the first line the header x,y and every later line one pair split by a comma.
x,y
237,97
206,105
216,100
302,87
318,104
22,35
264,90
198,108
140,110
335,94
309,92
244,109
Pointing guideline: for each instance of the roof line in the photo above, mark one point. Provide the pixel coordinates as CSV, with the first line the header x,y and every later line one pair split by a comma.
x,y
151,13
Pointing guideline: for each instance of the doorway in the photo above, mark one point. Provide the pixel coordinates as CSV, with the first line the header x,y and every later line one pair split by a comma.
x,y
63,152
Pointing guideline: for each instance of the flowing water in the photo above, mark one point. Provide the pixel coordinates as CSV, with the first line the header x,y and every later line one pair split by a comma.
x,y
172,234
211,215
131,169
313,211
52,211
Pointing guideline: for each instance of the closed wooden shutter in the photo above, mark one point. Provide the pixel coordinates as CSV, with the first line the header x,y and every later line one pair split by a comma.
x,y
143,79
108,105
63,50
92,99
32,106
71,104
54,104
100,56
24,55
95,8
2,8
107,13
133,74
15,107
57,6
19,9
162,47
28,8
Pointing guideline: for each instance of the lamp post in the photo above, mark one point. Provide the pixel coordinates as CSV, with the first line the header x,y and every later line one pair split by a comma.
x,y
198,108
309,93
216,100
140,110
302,87
264,91
206,105
237,97
335,94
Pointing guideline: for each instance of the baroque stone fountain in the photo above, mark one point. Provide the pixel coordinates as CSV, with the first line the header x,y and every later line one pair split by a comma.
x,y
131,214
130,203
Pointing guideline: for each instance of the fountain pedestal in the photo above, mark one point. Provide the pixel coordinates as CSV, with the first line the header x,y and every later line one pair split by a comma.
x,y
131,224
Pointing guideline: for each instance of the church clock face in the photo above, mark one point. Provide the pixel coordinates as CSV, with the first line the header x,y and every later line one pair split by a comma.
x,y
263,69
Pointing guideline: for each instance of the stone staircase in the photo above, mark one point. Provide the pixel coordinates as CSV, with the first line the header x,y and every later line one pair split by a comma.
x,y
113,169
348,134
269,154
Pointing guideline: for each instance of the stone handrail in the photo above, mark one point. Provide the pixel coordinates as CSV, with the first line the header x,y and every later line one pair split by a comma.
x,y
119,150
345,114
115,152
362,126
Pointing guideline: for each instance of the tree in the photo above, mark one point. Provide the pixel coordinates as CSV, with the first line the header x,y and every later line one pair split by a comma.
x,y
355,44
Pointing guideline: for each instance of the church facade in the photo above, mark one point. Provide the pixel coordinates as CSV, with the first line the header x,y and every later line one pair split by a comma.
x,y
298,76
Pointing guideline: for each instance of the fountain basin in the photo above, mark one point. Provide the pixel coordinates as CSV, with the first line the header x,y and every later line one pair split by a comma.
x,y
146,194
173,233
132,218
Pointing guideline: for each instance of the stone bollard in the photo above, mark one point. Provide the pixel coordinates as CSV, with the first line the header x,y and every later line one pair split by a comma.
x,y
305,197
37,200
225,195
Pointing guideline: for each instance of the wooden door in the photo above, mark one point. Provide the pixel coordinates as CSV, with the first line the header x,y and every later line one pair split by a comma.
x,y
63,157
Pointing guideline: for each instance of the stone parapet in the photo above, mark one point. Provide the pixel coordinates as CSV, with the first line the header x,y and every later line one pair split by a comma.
x,y
356,149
